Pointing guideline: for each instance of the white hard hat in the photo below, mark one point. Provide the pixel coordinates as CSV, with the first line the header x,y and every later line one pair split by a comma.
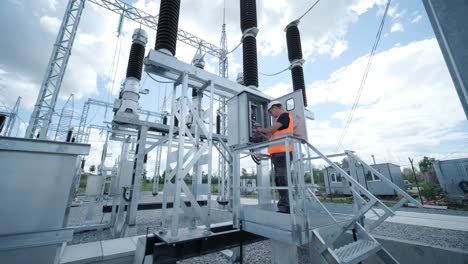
x,y
272,103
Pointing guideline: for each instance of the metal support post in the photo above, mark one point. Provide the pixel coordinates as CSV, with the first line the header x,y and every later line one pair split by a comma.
x,y
180,159
136,182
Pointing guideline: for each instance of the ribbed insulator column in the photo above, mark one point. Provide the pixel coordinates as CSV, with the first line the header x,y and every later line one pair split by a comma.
x,y
249,53
248,17
166,36
135,60
293,40
248,10
297,74
218,124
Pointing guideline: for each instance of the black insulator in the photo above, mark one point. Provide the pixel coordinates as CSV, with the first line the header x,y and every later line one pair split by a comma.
x,y
249,51
248,14
164,123
73,139
194,92
166,36
69,135
2,122
135,61
176,122
145,159
298,81
83,161
293,40
218,124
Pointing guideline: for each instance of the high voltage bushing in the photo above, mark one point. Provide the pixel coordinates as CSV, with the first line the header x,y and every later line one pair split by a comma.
x,y
137,54
218,124
127,104
293,40
297,74
248,10
166,36
249,52
248,17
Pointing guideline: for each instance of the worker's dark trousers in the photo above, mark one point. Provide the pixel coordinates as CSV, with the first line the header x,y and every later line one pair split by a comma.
x,y
281,180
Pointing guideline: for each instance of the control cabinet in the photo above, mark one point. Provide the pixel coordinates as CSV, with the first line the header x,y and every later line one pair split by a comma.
x,y
246,112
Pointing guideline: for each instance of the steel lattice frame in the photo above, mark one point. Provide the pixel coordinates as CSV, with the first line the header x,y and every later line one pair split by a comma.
x,y
44,108
50,88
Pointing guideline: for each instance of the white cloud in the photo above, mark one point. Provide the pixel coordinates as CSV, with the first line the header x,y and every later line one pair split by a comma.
x,y
397,27
22,86
52,5
51,24
409,106
339,48
416,19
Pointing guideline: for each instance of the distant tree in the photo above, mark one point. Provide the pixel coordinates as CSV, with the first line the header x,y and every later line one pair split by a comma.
x,y
318,176
426,164
92,168
343,163
244,172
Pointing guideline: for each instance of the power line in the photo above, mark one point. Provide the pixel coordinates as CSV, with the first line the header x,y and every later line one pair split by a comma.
x,y
308,10
273,74
364,78
238,45
154,79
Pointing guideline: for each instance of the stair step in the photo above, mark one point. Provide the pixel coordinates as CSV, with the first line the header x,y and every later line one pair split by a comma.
x,y
356,251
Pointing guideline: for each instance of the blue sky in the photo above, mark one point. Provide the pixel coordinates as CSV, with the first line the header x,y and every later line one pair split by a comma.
x,y
409,106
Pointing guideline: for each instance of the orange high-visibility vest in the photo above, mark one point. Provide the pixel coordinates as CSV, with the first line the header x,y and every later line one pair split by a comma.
x,y
289,131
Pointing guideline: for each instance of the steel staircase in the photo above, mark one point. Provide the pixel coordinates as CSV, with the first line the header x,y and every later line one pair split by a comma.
x,y
322,239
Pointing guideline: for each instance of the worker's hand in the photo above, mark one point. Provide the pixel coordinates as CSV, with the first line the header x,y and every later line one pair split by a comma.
x,y
260,130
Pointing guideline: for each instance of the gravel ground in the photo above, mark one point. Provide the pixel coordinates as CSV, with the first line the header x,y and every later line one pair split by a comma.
x,y
146,220
260,252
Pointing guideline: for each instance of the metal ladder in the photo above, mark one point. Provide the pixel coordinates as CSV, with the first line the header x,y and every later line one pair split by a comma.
x,y
322,239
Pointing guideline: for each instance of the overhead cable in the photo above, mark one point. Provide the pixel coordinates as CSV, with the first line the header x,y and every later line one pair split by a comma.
x,y
308,10
364,78
273,74
154,79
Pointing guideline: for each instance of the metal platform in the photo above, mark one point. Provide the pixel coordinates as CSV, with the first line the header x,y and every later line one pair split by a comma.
x,y
264,220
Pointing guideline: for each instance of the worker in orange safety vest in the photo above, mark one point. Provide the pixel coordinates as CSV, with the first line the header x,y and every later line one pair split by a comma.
x,y
281,127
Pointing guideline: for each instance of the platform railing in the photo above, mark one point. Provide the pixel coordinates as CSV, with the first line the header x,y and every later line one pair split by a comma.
x,y
302,194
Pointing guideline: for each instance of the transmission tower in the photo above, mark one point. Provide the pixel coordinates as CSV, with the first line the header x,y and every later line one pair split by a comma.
x,y
66,117
223,60
44,108
11,115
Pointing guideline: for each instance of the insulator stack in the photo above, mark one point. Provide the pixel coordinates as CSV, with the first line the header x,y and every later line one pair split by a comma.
x,y
194,92
249,53
297,74
293,40
166,36
127,104
218,124
135,60
2,122
164,123
69,135
248,10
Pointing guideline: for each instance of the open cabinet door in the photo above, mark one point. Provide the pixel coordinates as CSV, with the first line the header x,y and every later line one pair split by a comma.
x,y
294,104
